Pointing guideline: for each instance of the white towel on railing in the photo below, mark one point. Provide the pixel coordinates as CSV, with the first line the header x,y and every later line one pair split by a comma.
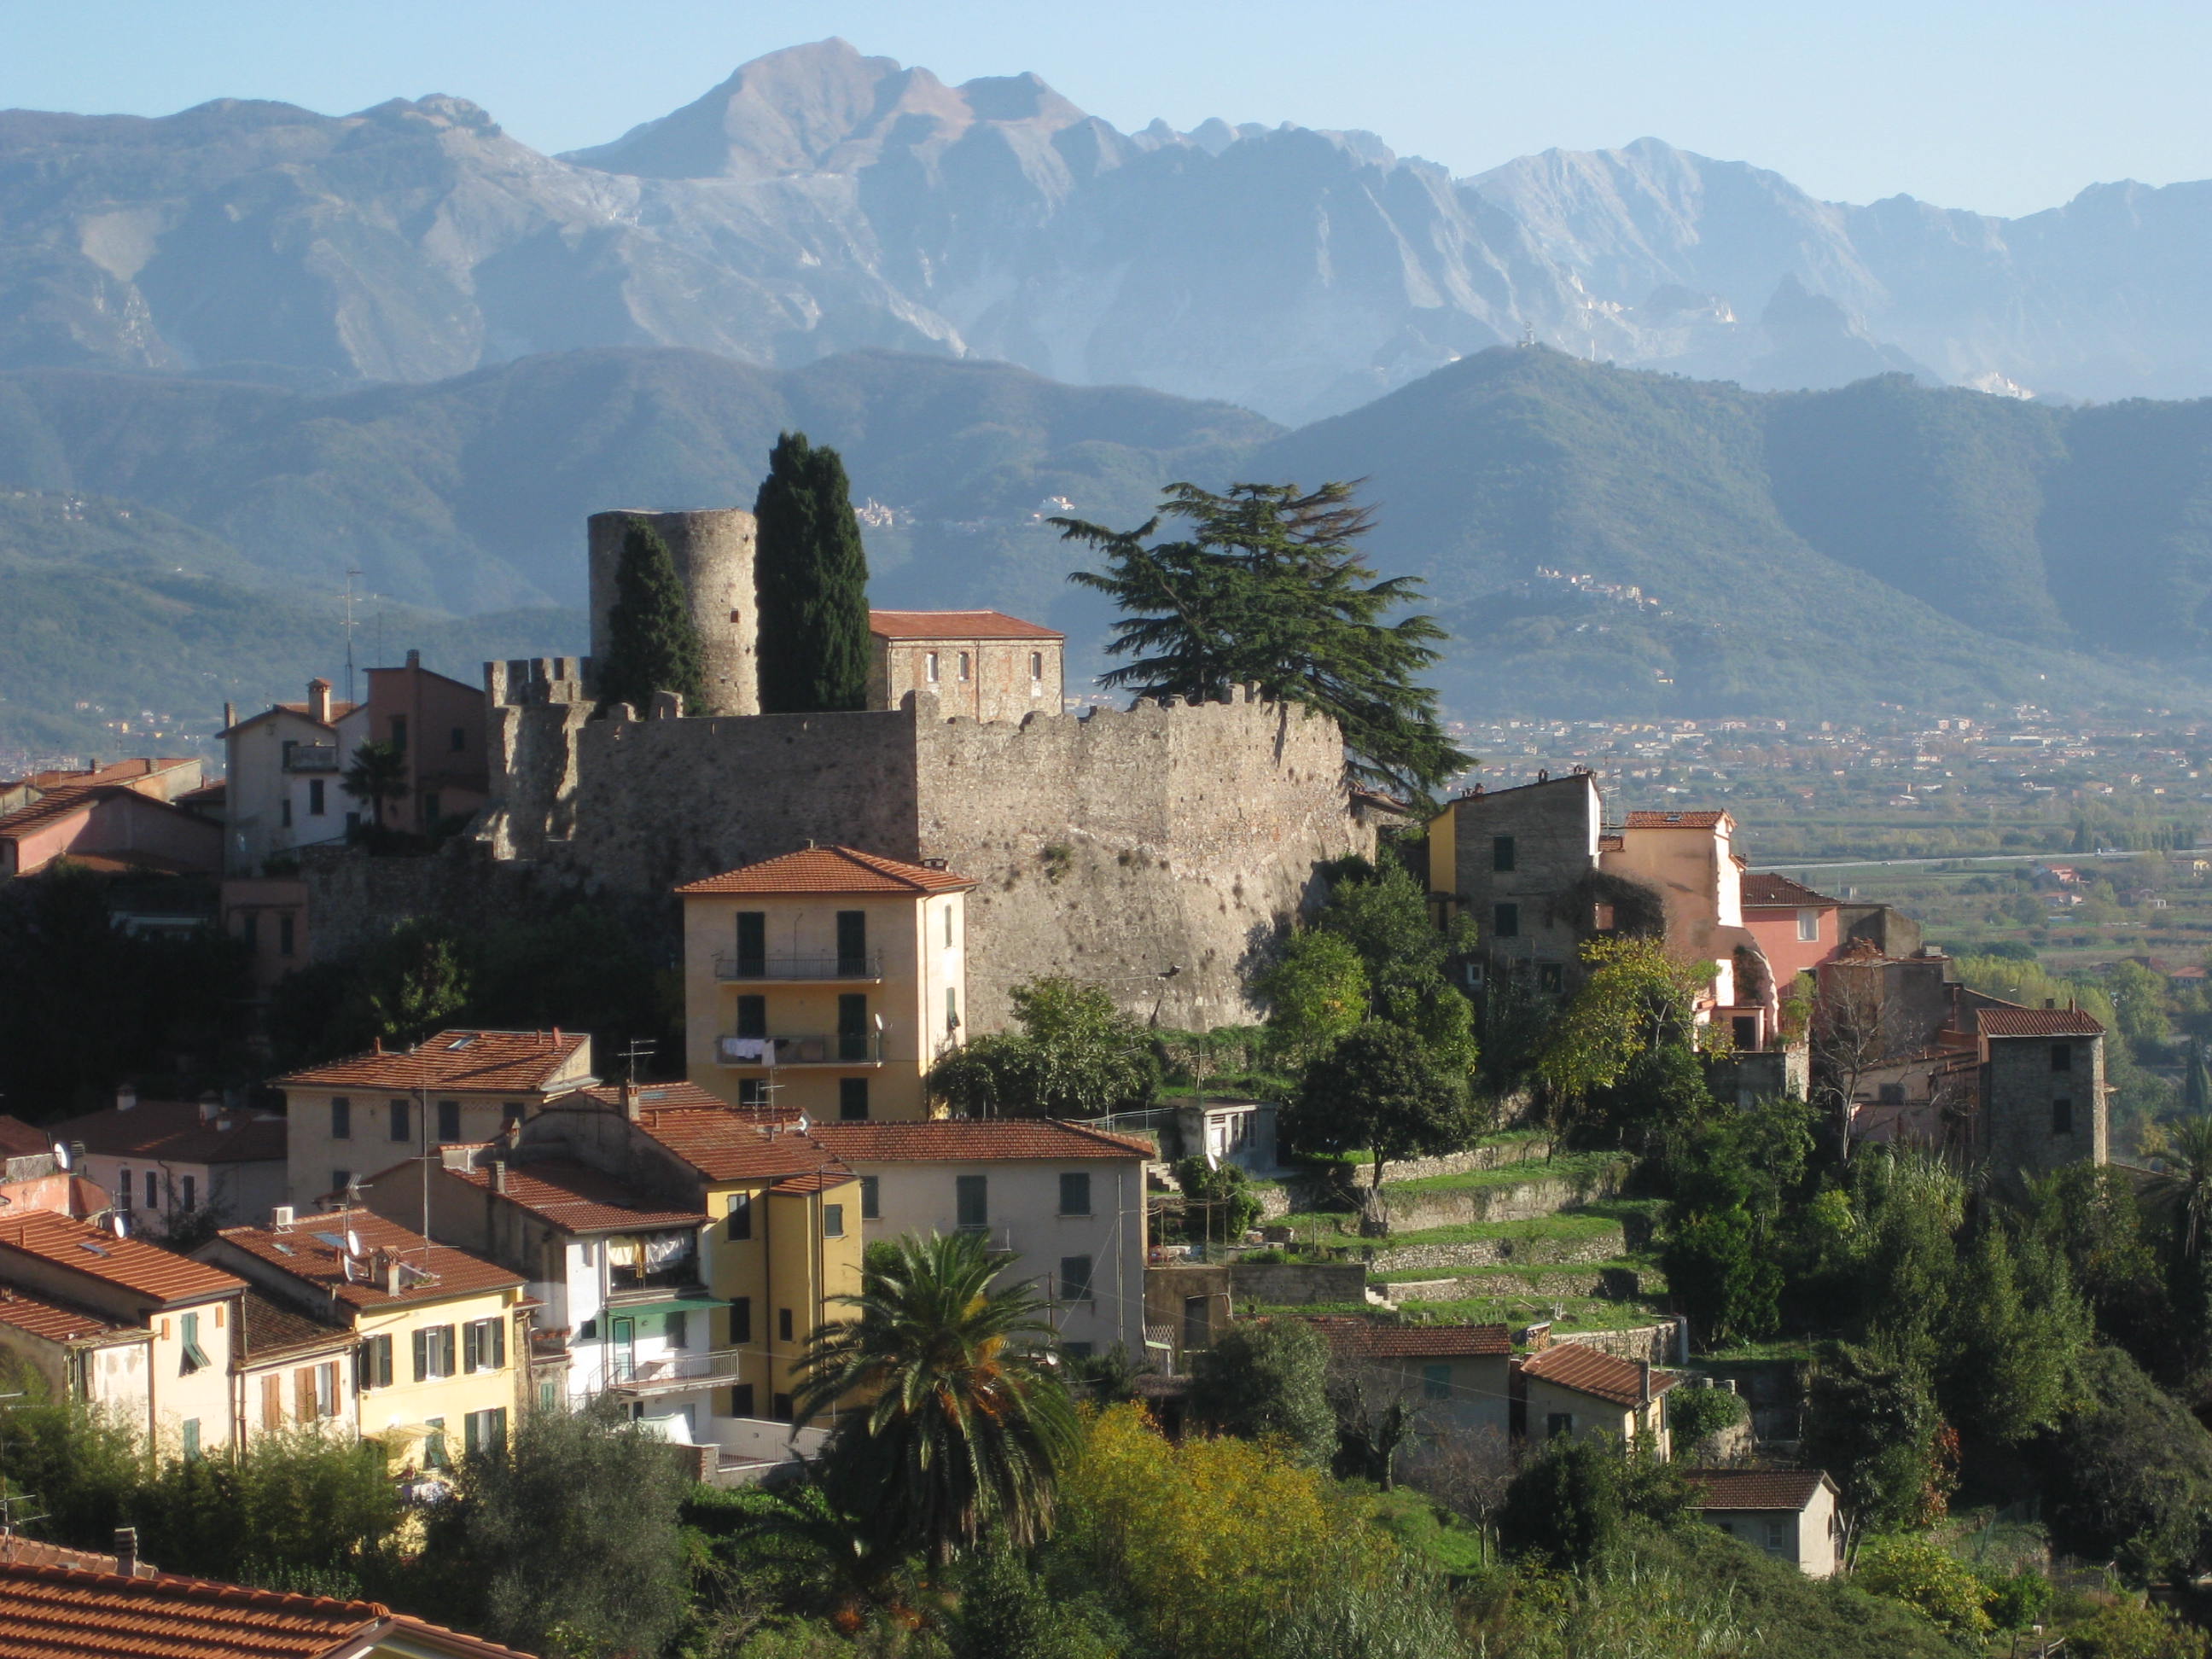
x,y
741,1051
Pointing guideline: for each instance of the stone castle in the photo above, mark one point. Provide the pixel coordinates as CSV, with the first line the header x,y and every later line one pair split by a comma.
x,y
1158,853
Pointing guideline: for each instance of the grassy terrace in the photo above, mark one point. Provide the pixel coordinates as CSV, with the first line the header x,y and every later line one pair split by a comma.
x,y
1579,1225
1569,1313
1647,1268
1580,1169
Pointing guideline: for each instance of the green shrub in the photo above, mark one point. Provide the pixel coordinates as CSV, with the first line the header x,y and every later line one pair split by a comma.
x,y
1933,1582
1696,1414
2128,1630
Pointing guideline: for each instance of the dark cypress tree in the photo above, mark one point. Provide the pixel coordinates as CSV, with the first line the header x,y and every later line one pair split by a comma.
x,y
652,644
813,575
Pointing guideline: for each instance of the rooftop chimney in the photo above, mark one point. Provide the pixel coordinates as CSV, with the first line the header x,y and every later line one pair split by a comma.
x,y
499,1176
629,1100
211,1108
126,1551
414,659
229,715
126,1097
388,1274
318,701
1644,1382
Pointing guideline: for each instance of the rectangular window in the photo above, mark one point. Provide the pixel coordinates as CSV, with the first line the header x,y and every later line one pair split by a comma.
x,y
741,1325
852,942
191,1191
434,1443
399,732
192,1434
741,1215
1075,1278
782,1408
741,1400
1808,927
285,934
272,1401
1074,1193
2062,1117
1505,921
1077,1350
948,927
1558,1425
753,1091
852,1099
951,1010
153,1192
284,812
340,1180
458,741
964,664
373,1363
752,1017
1778,1538
972,1200
303,1391
753,943
1436,1383
1036,665
833,1221
395,1113
449,1121
122,1191
1501,853
783,1324
853,1026
929,667
195,1357
316,801
679,1329
872,1209
435,1346
2062,1056
483,1344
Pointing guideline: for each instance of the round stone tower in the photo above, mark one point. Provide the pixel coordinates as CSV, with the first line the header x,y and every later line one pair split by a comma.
x,y
714,554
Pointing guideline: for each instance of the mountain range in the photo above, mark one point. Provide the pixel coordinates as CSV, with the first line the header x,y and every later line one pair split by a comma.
x,y
820,201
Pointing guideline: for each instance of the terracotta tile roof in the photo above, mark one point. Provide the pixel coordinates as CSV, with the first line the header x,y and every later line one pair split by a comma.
x,y
1755,1489
831,870
814,1181
273,1328
682,1095
955,625
577,1198
56,1322
972,1140
727,1145
1371,1339
60,803
1601,1376
339,709
64,1612
304,1252
21,1139
1674,820
1764,888
172,1130
2036,1022
480,1062
146,1270
17,1551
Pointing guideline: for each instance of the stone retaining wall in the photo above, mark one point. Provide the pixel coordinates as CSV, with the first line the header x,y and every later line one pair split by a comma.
x,y
1657,1343
1494,1252
1520,1201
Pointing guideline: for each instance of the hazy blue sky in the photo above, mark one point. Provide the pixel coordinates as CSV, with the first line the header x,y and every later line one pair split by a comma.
x,y
2005,108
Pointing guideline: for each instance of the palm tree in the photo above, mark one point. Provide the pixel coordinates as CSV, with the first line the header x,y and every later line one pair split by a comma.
x,y
379,774
2182,1151
949,1423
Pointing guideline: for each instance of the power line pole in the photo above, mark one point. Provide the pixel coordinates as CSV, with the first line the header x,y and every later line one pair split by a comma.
x,y
350,574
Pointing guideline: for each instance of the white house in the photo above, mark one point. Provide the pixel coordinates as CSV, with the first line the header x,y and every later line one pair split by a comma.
x,y
164,1160
1791,1514
1068,1203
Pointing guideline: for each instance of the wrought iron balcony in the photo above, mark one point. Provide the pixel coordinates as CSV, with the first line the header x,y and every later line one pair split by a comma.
x,y
311,757
831,1048
794,969
680,1373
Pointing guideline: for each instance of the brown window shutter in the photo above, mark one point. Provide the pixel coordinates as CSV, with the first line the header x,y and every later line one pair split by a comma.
x,y
304,1379
272,1401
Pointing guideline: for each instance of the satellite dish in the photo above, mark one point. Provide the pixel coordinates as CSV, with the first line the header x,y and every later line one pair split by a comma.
x,y
802,1123
119,1224
61,1155
353,1244
345,1266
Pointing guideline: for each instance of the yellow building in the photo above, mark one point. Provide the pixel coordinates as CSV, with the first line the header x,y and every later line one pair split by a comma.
x,y
826,981
1577,1392
440,1337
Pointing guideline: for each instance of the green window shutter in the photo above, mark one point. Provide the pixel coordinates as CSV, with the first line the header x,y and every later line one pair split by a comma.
x,y
384,1361
498,1342
472,1348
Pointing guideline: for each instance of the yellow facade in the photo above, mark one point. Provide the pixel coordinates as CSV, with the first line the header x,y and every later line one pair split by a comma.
x,y
409,1416
853,1030
801,1250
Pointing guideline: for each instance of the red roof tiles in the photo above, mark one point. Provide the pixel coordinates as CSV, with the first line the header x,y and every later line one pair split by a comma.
x,y
132,1264
1674,820
1764,890
831,870
21,1139
2036,1022
271,1329
955,625
1369,1339
174,1130
465,1062
311,1251
727,1145
575,1198
56,1321
62,1613
972,1140
1601,1376
1755,1489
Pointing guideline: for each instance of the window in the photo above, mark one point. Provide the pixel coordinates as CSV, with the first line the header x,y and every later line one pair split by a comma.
x,y
434,1352
250,931
1075,1278
872,1209
1777,1537
153,1192
195,1357
511,1116
833,1221
741,1323
741,1215
1558,1425
753,943
1036,665
752,1017
1436,1383
679,1330
948,927
2062,1117
851,941
1891,1094
1505,920
123,1190
1501,853
399,732
285,934
458,740
753,1091
284,812
1601,918
964,664
396,1117
483,1344
782,1408
191,1191
272,1401
341,1179
191,1433
1078,1350
1074,1193
783,1324
1550,977
307,1390
449,1120
929,667
316,802
548,1394
1808,927
434,1443
972,1200
2062,1056
1744,1031
951,1010
373,1363
741,1400
852,1099
853,1026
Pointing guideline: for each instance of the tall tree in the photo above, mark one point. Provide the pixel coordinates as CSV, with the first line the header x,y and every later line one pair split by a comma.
x,y
1265,1378
1381,1091
653,644
1269,588
813,575
949,1424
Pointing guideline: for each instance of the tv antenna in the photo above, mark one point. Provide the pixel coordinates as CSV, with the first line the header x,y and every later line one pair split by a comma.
x,y
637,1050
350,574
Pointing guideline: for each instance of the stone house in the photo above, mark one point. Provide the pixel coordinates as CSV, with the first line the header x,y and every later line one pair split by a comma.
x,y
1791,1514
983,664
1457,1377
826,981
1572,1390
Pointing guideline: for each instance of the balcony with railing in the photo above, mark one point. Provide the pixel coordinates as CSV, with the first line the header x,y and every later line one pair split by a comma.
x,y
831,1048
311,757
656,1267
790,968
680,1373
